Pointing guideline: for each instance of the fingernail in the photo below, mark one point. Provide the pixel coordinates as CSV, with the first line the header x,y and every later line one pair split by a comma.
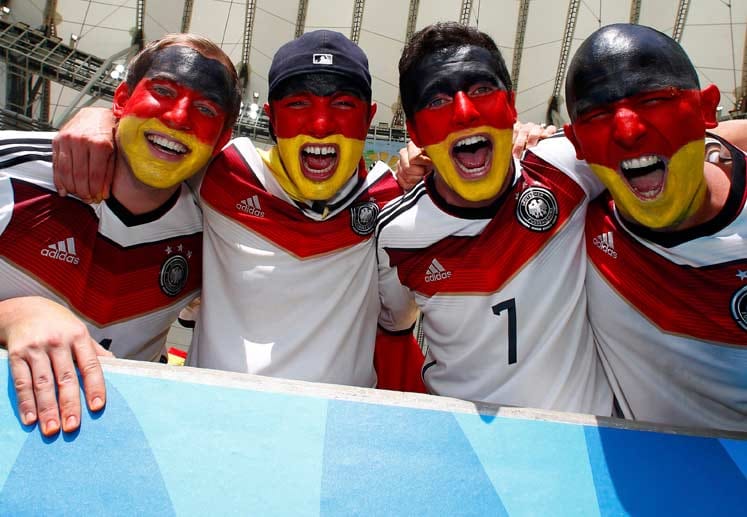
x,y
97,404
28,417
51,427
71,422
62,192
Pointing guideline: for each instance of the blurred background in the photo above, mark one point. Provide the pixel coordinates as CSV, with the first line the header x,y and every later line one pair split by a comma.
x,y
60,55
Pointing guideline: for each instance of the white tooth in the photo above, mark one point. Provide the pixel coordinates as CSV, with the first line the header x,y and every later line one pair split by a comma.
x,y
168,144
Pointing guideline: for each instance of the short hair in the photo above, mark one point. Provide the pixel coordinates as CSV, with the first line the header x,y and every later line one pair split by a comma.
x,y
619,60
437,37
141,63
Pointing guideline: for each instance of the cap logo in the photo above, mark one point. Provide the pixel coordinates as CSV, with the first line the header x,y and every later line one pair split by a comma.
x,y
322,59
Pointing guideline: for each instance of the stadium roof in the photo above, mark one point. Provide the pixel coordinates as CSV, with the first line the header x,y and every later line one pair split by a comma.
x,y
537,37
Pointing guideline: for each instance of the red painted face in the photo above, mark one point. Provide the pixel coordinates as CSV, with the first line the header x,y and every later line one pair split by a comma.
x,y
481,105
648,150
177,107
311,115
651,123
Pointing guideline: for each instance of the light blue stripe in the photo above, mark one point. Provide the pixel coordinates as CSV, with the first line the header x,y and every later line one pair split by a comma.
x,y
537,468
230,451
11,438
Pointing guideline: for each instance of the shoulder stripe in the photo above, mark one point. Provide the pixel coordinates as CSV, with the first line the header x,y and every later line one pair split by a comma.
x,y
30,140
31,157
404,204
24,148
407,195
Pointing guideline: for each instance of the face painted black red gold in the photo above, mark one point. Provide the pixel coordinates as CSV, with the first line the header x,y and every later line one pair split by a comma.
x,y
464,119
172,120
639,120
321,128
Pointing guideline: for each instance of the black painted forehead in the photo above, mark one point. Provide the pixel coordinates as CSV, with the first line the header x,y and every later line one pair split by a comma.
x,y
623,60
186,66
322,84
447,71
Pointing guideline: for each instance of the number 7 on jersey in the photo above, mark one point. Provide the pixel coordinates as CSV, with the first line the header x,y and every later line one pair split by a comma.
x,y
509,305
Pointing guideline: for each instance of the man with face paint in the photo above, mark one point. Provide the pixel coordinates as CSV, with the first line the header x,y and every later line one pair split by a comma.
x,y
116,272
667,280
289,256
290,268
489,250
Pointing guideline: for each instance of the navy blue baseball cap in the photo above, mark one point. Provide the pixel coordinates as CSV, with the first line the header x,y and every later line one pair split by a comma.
x,y
320,51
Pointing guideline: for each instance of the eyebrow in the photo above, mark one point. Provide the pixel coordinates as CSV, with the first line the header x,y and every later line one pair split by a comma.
x,y
208,94
449,85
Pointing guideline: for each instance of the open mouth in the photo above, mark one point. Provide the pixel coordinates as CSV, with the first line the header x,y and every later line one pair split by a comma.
x,y
318,162
646,175
165,146
472,156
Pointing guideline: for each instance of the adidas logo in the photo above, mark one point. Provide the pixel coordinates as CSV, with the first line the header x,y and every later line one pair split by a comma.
x,y
606,243
436,272
251,206
62,250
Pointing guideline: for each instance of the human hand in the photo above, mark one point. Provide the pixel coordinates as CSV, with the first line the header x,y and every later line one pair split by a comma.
x,y
83,155
528,135
43,338
412,166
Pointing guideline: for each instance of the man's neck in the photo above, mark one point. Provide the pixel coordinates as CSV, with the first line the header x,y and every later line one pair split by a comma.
x,y
135,196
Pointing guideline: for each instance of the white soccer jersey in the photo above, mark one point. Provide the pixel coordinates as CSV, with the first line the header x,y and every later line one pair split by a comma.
x,y
287,292
501,289
127,277
670,313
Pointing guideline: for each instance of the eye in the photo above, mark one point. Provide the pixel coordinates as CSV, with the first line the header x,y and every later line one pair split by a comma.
x,y
438,101
481,89
598,115
163,90
344,102
295,103
206,110
653,101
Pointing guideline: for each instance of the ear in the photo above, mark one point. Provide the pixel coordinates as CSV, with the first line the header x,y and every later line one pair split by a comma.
x,y
709,99
121,97
571,136
222,140
268,111
371,113
412,132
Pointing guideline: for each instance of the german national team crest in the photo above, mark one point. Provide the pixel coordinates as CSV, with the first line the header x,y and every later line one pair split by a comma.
x,y
173,276
739,307
537,209
363,217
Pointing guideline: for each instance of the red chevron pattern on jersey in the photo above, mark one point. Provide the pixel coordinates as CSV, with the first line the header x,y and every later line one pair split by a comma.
x,y
503,248
227,185
56,241
681,300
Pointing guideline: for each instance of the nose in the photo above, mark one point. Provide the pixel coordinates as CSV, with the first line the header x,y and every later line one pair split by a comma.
x,y
628,128
321,123
465,112
177,116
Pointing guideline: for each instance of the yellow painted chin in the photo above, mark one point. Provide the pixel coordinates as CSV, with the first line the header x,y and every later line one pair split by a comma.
x,y
683,194
284,160
149,168
486,186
